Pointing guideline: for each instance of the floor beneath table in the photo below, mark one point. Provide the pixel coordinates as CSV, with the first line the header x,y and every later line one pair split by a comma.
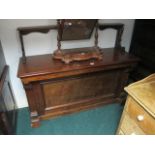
x,y
99,121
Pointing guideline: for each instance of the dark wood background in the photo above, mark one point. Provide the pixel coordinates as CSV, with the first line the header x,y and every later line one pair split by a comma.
x,y
143,46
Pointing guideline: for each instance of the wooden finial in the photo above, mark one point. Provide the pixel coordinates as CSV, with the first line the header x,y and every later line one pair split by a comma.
x,y
58,51
96,36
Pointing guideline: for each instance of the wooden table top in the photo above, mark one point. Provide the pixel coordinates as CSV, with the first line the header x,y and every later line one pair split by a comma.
x,y
143,92
45,64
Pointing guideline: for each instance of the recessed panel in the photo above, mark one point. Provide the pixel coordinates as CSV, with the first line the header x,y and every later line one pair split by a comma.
x,y
76,89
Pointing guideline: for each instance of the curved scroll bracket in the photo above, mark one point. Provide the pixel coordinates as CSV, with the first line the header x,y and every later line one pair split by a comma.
x,y
27,30
119,28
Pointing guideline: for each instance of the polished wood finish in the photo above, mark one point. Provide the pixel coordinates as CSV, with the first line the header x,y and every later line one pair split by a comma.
x,y
143,90
139,108
95,51
7,102
41,29
27,30
54,88
70,88
76,29
148,125
69,55
129,127
119,28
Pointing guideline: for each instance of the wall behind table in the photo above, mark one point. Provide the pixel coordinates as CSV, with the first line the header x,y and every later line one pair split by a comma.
x,y
37,43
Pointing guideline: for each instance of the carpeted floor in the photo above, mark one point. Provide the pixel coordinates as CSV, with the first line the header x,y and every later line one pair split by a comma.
x,y
100,121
